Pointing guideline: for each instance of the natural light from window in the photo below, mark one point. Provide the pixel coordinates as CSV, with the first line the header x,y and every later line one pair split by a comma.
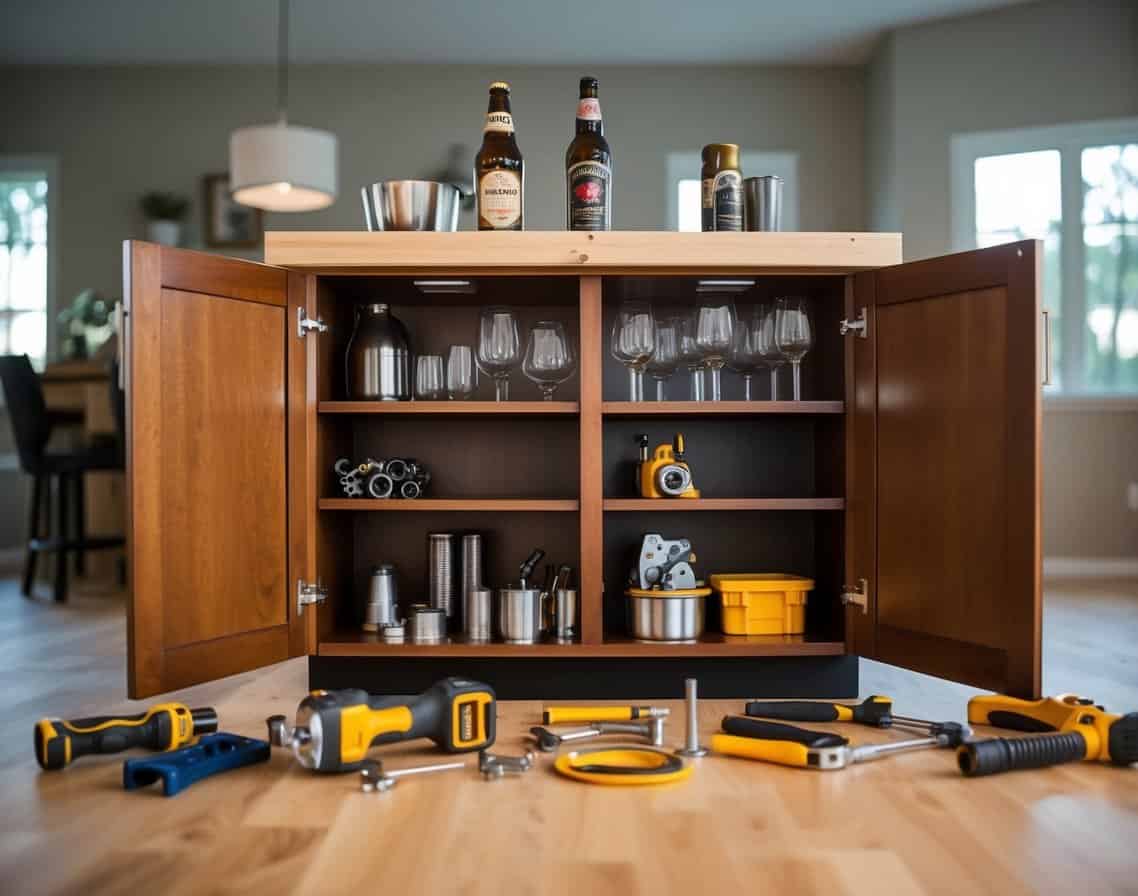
x,y
23,266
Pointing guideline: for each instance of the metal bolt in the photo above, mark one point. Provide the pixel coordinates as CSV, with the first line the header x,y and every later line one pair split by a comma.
x,y
691,703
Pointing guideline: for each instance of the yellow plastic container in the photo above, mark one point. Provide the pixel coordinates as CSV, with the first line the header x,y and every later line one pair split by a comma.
x,y
766,603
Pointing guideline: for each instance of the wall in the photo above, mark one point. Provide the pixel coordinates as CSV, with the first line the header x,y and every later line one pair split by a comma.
x,y
1036,64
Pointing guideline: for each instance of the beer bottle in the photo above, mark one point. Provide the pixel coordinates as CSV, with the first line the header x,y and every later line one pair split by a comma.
x,y
722,187
499,181
588,166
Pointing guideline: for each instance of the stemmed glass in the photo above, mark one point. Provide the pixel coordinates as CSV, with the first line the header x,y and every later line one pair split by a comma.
x,y
715,326
744,355
460,372
549,357
429,377
666,357
498,348
769,353
633,343
793,337
689,354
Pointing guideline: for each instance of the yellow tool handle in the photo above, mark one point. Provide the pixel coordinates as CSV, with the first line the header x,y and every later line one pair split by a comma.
x,y
556,715
1048,714
782,752
360,726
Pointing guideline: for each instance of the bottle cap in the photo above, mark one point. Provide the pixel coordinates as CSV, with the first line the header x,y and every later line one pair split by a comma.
x,y
500,85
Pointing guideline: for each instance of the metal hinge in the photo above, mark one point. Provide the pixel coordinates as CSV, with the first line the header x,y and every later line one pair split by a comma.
x,y
859,326
304,323
858,596
308,593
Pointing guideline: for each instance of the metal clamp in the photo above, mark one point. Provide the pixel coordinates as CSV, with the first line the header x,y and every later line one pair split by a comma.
x,y
304,323
859,325
494,766
858,596
308,593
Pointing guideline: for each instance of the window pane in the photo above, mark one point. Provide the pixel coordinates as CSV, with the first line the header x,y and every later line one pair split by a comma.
x,y
23,265
27,334
690,205
1110,235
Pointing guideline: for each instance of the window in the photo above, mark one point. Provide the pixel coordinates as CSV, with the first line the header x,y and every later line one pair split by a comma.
x,y
1076,188
684,190
24,266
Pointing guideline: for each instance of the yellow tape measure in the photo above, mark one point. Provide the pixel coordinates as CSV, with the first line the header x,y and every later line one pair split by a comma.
x,y
623,766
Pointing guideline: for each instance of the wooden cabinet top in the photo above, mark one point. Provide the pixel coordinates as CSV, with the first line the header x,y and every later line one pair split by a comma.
x,y
562,252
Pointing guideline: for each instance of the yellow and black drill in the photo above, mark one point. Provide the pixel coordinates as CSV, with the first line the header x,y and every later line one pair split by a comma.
x,y
1068,729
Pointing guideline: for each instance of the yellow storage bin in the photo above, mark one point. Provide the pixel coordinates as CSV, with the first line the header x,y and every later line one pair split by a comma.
x,y
766,603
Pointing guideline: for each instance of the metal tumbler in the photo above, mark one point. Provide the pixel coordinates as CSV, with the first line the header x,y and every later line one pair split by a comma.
x,y
440,572
764,202
382,598
471,571
479,616
565,614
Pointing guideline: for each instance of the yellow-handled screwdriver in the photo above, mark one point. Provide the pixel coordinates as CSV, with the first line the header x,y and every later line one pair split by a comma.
x,y
166,726
556,715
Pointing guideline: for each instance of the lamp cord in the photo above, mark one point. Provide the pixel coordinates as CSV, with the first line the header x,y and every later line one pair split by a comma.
x,y
282,61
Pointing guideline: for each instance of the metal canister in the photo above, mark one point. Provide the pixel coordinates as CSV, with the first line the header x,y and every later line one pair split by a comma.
x,y
378,361
519,614
471,572
479,616
441,572
382,598
764,202
427,625
565,614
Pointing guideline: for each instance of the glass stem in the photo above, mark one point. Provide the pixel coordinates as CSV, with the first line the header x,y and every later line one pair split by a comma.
x,y
635,384
774,384
797,380
697,384
747,387
715,393
659,390
502,389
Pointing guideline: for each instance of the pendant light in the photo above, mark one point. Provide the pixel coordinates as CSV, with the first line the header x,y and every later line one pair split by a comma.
x,y
282,167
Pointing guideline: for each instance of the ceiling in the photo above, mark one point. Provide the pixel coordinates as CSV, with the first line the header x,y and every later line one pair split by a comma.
x,y
548,32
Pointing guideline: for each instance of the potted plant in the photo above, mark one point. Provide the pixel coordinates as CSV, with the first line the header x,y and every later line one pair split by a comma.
x,y
164,213
85,321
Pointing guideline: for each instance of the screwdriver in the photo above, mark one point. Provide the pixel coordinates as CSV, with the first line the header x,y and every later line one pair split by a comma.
x,y
165,726
875,711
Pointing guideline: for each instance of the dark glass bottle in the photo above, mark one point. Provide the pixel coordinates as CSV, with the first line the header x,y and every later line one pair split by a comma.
x,y
722,187
499,176
588,166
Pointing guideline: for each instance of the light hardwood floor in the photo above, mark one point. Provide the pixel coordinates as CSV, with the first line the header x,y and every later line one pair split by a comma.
x,y
910,824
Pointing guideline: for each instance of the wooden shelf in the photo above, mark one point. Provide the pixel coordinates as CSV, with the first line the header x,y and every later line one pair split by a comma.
x,y
679,505
718,408
429,408
354,643
423,505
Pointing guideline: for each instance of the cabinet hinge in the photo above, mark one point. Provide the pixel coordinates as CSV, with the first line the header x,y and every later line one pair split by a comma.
x,y
304,323
860,325
858,596
309,593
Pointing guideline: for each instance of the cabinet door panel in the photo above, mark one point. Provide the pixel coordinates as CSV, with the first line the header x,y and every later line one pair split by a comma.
x,y
208,410
956,411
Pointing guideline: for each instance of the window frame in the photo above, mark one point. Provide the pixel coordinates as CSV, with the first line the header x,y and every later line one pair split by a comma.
x,y
1069,140
686,166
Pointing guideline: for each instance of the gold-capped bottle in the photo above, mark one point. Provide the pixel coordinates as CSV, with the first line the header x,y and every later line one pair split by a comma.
x,y
499,177
588,166
722,187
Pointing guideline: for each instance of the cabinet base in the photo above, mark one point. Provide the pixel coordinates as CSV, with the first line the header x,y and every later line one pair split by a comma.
x,y
597,679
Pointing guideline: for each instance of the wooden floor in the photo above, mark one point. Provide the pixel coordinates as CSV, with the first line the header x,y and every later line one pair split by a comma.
x,y
910,824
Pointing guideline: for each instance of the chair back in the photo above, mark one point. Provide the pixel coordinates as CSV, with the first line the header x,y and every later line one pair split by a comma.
x,y
23,394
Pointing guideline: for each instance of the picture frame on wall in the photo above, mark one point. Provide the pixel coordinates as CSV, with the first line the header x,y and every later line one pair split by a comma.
x,y
228,224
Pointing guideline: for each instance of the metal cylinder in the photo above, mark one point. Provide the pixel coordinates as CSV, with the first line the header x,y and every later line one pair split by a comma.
x,y
519,615
665,617
378,360
441,572
565,614
427,625
479,616
764,202
392,633
382,598
692,747
471,571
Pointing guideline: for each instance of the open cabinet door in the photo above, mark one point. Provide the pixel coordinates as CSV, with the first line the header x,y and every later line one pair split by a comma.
x,y
216,431
943,475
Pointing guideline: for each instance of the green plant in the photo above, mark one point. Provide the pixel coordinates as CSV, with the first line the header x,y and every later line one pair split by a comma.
x,y
158,206
87,310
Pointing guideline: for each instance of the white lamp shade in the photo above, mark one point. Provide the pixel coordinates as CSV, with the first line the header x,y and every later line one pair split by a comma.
x,y
282,167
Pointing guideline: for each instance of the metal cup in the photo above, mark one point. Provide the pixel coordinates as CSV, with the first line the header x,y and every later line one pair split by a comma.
x,y
479,616
565,614
519,614
764,202
411,205
382,598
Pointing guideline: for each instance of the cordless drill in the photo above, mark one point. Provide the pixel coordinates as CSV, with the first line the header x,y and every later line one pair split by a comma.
x,y
166,726
335,729
1069,729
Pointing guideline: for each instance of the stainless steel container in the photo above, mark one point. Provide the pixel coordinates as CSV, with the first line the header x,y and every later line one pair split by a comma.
x,y
378,360
441,572
519,615
411,205
763,197
479,617
382,598
471,572
565,614
664,617
392,633
427,625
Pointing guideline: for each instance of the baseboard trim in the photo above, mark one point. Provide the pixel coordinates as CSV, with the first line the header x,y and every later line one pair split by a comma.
x,y
1090,568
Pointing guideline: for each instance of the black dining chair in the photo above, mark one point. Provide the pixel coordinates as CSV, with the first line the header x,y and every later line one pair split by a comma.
x,y
32,426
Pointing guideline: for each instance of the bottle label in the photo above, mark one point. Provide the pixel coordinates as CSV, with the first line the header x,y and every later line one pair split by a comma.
x,y
499,122
500,199
589,109
590,196
723,201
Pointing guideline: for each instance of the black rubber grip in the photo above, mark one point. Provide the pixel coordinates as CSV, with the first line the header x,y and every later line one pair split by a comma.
x,y
1016,721
793,710
1123,740
1005,754
757,728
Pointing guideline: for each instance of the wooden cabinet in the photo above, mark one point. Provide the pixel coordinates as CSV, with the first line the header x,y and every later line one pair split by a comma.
x,y
913,464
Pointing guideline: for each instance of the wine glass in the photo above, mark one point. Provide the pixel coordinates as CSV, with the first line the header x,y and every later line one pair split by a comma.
x,y
744,355
460,372
689,354
498,348
770,355
633,343
666,357
429,377
549,357
793,337
715,326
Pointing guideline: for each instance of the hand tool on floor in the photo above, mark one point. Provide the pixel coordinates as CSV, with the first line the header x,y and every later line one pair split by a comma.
x,y
494,766
664,474
335,729
1067,728
875,711
555,715
623,766
373,779
789,745
692,748
651,730
165,726
177,770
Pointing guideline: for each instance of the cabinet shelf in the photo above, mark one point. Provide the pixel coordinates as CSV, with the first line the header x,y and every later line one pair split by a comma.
x,y
718,408
679,505
462,408
543,505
